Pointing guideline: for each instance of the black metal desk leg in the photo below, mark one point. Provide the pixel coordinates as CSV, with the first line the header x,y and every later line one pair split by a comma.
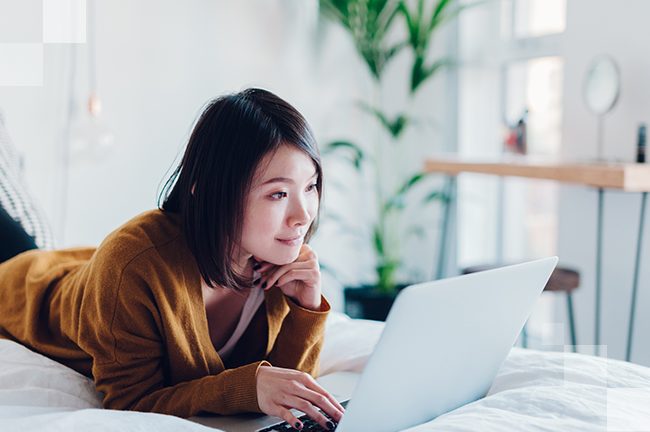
x,y
450,193
599,256
637,261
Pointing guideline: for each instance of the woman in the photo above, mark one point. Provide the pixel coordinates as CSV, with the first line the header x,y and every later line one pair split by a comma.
x,y
211,303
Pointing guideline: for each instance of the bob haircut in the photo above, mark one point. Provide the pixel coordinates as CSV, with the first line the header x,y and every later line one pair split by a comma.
x,y
209,188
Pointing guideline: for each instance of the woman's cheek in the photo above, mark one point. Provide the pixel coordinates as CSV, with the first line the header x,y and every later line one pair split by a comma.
x,y
313,211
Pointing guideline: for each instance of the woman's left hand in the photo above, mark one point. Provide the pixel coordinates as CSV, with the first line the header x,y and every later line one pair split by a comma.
x,y
299,280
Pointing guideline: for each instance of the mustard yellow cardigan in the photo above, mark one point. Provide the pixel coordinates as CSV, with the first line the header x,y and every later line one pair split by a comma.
x,y
130,314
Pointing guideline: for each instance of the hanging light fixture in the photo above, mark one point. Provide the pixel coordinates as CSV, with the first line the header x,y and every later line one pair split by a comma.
x,y
90,138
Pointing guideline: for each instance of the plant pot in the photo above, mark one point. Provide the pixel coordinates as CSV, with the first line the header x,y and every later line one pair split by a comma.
x,y
367,302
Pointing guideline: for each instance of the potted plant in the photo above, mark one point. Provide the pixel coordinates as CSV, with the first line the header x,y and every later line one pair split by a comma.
x,y
369,23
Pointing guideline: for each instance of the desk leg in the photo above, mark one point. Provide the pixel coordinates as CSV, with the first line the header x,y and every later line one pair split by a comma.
x,y
599,255
443,250
630,331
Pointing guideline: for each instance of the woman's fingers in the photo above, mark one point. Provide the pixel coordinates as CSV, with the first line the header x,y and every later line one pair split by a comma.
x,y
297,274
306,253
279,390
311,384
261,266
323,402
273,277
265,267
309,409
286,415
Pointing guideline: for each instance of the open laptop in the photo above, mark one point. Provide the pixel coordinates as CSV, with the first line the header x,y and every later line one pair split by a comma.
x,y
441,348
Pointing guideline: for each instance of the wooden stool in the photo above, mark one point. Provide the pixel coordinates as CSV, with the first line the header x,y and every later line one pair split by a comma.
x,y
562,280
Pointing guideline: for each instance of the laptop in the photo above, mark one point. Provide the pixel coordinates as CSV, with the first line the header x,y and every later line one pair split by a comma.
x,y
441,348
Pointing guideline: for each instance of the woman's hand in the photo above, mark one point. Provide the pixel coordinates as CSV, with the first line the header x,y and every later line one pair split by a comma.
x,y
299,280
279,390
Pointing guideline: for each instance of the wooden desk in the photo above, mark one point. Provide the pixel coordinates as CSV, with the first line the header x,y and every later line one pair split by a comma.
x,y
628,177
623,176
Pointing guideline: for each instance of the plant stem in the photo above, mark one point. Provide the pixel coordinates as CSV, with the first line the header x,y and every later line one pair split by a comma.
x,y
380,256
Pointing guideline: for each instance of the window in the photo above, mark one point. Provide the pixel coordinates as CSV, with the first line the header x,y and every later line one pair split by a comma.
x,y
532,18
512,70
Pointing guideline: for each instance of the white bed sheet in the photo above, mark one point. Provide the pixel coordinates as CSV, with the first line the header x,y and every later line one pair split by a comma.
x,y
534,391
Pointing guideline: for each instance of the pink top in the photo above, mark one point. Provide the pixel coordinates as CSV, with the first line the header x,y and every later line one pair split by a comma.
x,y
253,302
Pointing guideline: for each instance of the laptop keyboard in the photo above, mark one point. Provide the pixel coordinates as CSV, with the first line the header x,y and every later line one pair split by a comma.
x,y
308,425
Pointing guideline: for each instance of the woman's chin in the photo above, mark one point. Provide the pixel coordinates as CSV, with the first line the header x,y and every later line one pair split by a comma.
x,y
280,259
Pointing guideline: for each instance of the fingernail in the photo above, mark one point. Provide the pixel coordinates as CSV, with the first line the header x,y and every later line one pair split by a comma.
x,y
330,425
298,425
257,281
257,266
264,285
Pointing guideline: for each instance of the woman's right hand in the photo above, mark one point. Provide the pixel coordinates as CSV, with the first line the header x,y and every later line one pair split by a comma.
x,y
279,390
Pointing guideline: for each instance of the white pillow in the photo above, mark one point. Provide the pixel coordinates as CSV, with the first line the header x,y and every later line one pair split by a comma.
x,y
31,379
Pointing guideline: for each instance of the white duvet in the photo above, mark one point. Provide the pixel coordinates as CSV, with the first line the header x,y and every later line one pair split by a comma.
x,y
534,391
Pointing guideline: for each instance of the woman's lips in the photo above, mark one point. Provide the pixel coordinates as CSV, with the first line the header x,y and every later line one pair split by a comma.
x,y
295,241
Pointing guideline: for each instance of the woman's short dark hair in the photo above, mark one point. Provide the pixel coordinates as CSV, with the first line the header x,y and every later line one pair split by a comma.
x,y
209,187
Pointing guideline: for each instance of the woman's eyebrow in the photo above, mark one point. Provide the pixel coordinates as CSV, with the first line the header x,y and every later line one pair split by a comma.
x,y
284,180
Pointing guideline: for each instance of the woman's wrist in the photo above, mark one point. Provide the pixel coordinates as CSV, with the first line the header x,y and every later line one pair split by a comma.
x,y
310,304
315,306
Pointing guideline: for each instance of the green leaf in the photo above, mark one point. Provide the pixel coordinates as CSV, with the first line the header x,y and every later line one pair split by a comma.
x,y
386,275
397,201
444,18
415,178
368,22
387,15
395,49
421,73
358,155
394,127
437,13
420,15
420,28
412,25
434,196
379,241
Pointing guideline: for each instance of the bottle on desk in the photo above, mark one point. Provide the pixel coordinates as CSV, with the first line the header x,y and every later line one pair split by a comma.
x,y
515,140
640,144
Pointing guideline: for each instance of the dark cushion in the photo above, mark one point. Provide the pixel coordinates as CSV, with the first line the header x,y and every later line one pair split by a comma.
x,y
15,198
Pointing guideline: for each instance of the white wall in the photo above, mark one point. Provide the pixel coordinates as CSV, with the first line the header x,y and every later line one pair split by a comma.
x,y
158,62
619,29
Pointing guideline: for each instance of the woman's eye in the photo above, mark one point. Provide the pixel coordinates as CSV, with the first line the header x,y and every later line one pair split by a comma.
x,y
279,195
312,187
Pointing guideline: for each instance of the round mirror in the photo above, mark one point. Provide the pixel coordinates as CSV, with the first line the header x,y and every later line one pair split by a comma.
x,y
602,85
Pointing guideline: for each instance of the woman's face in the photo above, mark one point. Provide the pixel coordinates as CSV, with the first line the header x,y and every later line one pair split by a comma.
x,y
282,204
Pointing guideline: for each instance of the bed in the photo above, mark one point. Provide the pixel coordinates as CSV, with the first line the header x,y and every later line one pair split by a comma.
x,y
534,391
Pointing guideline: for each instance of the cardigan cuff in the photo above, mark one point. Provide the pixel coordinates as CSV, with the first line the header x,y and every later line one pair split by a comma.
x,y
306,324
241,386
296,308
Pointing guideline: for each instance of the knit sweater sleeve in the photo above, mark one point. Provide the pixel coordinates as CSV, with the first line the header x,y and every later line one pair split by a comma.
x,y
124,335
300,340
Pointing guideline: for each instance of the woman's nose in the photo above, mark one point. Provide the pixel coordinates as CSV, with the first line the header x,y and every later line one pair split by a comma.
x,y
299,215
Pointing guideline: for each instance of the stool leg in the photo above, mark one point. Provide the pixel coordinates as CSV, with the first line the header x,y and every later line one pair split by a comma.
x,y
524,337
572,325
628,350
449,196
599,256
